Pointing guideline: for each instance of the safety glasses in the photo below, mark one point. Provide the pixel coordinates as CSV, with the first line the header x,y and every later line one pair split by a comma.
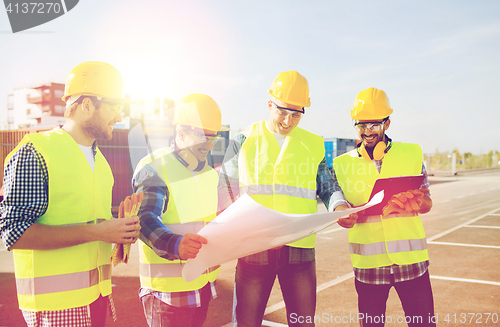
x,y
116,107
371,125
282,111
202,138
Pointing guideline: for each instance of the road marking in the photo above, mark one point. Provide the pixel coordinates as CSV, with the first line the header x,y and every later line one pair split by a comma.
x,y
480,226
495,214
272,324
281,305
465,244
446,232
333,282
463,196
467,280
264,323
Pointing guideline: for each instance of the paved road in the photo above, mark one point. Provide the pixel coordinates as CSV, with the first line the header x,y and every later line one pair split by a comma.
x,y
463,231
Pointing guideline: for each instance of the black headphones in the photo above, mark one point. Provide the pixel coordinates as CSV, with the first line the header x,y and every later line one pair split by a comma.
x,y
378,152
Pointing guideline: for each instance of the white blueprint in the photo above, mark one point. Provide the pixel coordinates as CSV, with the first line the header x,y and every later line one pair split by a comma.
x,y
247,227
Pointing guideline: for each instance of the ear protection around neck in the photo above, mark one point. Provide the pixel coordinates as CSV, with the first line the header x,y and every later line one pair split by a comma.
x,y
188,159
378,152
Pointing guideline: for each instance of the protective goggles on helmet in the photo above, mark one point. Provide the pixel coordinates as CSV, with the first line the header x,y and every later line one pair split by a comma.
x,y
202,138
282,111
371,125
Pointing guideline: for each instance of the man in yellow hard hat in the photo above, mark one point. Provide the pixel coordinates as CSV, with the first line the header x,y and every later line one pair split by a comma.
x,y
283,168
56,212
180,197
387,249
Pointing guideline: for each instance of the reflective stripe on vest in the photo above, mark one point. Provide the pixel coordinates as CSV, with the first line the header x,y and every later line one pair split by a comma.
x,y
392,247
62,283
394,239
50,280
282,179
377,219
160,270
289,190
192,203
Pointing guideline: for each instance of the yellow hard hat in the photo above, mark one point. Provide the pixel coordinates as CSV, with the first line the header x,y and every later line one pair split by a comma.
x,y
201,111
94,78
292,88
371,104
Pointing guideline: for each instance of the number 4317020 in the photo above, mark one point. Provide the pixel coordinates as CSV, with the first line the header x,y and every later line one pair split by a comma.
x,y
34,8
469,318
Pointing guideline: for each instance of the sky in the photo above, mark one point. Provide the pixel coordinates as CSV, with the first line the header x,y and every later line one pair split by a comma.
x,y
438,61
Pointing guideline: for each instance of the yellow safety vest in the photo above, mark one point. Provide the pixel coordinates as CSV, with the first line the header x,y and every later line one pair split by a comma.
x,y
395,239
282,179
49,280
191,205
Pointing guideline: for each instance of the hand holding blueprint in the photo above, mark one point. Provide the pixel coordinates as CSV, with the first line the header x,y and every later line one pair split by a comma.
x,y
246,227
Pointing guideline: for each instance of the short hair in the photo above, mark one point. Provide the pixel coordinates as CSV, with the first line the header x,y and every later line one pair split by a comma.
x,y
71,108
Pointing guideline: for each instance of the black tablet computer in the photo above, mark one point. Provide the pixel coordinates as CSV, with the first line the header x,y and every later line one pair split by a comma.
x,y
392,186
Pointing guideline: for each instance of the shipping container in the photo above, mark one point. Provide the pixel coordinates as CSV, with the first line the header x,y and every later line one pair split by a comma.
x,y
335,147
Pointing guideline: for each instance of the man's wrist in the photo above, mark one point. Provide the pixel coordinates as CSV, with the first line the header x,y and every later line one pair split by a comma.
x,y
176,249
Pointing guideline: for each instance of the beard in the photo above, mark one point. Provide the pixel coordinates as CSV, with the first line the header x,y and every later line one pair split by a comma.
x,y
378,138
95,127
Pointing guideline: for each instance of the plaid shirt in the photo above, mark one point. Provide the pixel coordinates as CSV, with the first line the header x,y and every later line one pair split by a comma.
x,y
157,236
26,196
382,275
327,189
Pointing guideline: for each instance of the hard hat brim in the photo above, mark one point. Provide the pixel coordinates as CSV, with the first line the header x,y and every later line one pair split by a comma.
x,y
123,100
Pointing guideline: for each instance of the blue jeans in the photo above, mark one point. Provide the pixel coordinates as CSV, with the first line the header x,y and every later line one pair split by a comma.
x,y
415,295
253,284
160,314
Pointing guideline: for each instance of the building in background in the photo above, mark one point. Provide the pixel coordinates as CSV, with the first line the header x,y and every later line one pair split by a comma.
x,y
40,105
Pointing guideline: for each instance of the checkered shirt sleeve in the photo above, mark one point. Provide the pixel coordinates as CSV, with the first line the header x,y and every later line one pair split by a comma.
x,y
328,189
153,232
26,193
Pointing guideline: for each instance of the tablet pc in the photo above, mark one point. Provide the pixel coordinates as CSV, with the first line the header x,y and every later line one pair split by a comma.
x,y
392,186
